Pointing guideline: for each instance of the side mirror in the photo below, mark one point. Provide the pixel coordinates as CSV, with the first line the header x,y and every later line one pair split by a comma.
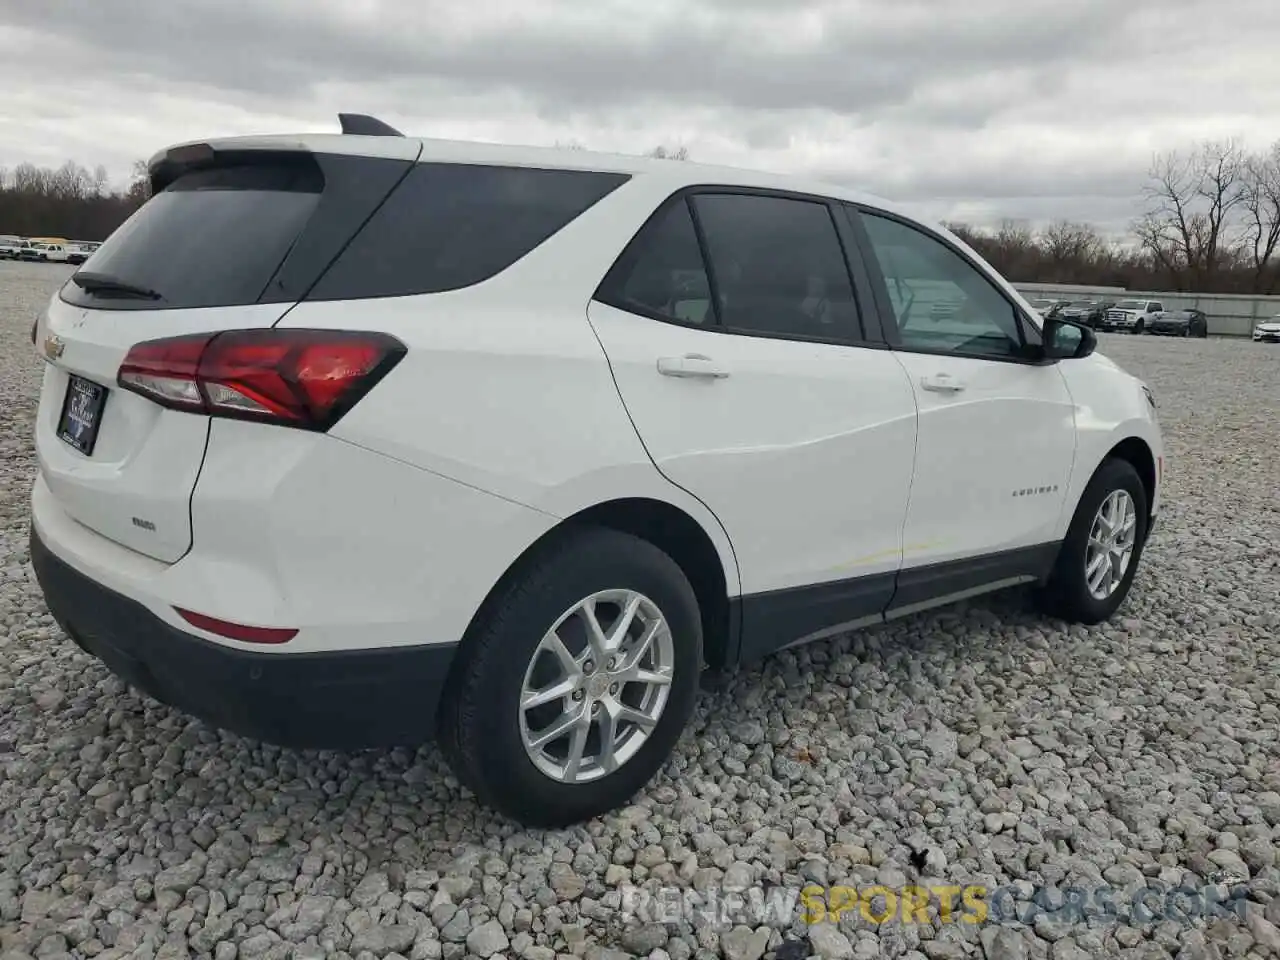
x,y
1067,340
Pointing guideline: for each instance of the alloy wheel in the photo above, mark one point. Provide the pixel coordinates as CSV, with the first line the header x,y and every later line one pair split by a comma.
x,y
596,686
1111,543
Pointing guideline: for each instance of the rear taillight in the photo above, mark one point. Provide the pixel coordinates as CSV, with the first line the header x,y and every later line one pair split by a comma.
x,y
296,378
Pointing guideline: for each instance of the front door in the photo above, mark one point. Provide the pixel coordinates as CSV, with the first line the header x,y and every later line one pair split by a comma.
x,y
996,441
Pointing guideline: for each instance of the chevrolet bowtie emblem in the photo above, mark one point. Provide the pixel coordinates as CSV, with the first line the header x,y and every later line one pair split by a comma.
x,y
53,347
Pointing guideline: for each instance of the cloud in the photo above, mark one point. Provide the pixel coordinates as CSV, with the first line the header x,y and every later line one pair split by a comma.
x,y
995,107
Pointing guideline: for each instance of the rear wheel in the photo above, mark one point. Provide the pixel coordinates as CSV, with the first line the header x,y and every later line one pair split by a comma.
x,y
576,681
1099,557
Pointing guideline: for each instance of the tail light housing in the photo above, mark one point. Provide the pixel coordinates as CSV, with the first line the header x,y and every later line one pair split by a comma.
x,y
295,378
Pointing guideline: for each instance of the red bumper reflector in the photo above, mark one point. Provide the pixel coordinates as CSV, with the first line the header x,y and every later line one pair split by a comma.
x,y
238,631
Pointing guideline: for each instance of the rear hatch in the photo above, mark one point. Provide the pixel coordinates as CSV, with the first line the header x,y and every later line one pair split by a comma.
x,y
235,234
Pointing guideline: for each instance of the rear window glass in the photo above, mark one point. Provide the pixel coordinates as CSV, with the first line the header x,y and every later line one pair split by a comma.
x,y
212,238
449,226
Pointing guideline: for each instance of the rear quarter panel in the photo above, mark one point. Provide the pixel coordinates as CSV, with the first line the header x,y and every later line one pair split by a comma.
x,y
505,387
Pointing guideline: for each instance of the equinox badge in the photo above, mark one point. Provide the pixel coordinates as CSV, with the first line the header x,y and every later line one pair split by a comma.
x,y
53,346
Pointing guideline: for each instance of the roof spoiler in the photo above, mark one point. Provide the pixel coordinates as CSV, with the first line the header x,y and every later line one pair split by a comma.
x,y
363,125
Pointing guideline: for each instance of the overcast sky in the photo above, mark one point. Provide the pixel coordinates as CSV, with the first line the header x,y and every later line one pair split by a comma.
x,y
970,110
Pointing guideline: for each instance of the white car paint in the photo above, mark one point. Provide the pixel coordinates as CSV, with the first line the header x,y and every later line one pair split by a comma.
x,y
519,403
996,420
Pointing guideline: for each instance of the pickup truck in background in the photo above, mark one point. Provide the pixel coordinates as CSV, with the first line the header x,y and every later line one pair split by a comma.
x,y
52,253
1130,315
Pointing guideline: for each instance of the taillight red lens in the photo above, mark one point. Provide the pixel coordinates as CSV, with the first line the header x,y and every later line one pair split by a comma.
x,y
238,631
301,378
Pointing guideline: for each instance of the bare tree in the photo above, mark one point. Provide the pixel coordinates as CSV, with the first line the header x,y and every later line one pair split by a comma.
x,y
139,190
661,152
1071,248
1193,201
1262,230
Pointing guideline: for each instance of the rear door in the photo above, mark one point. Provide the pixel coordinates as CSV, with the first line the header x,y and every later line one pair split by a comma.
x,y
755,387
229,242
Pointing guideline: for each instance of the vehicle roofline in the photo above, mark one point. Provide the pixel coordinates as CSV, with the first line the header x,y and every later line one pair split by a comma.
x,y
678,174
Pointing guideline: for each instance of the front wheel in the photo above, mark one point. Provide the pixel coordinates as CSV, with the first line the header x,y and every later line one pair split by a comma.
x,y
1099,557
576,681
1139,327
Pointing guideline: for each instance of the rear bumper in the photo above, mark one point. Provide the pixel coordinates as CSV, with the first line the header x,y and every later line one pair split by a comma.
x,y
343,700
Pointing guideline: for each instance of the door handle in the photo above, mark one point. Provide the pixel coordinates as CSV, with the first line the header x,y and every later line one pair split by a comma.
x,y
692,365
942,383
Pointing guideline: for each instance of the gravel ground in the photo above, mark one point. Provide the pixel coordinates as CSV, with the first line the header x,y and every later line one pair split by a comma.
x,y
979,745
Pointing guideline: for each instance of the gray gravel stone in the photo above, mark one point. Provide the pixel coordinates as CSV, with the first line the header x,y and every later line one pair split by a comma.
x,y
828,942
381,939
487,939
743,943
644,938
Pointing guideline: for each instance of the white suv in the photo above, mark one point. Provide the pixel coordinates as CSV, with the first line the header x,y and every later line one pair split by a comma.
x,y
357,440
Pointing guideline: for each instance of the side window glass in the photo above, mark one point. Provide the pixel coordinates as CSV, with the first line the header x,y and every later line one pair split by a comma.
x,y
779,267
662,272
940,301
1157,307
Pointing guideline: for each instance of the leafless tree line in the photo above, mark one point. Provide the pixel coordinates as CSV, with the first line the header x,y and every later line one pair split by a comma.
x,y
1210,224
69,201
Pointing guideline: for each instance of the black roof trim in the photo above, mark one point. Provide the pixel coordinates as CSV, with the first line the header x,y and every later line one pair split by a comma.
x,y
366,126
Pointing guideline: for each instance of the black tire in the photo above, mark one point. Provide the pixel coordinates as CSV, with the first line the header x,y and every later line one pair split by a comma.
x,y
1139,327
1066,594
479,723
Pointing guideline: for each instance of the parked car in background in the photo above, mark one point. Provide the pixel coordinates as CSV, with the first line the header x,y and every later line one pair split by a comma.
x,y
9,247
1130,316
1179,323
29,250
1268,331
1088,312
78,253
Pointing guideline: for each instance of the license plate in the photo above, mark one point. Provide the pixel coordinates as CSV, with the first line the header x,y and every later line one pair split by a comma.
x,y
82,414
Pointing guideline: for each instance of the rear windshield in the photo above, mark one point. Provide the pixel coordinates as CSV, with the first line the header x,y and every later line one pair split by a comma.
x,y
329,227
212,238
450,225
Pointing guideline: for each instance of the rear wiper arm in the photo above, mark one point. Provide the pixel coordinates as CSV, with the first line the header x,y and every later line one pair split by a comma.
x,y
105,283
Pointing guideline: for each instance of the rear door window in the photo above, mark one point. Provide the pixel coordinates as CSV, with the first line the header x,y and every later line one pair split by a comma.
x,y
778,267
212,238
449,226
